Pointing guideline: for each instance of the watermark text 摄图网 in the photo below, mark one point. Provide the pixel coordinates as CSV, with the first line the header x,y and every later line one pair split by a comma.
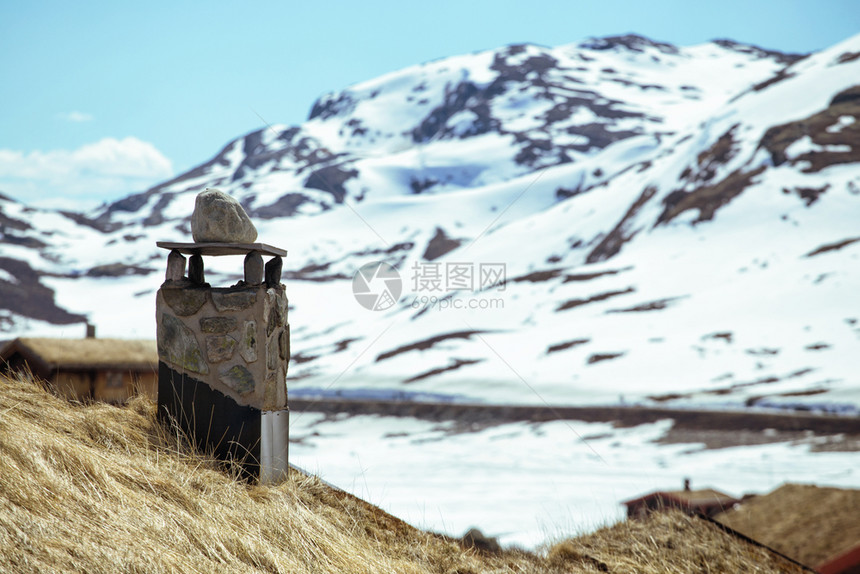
x,y
430,277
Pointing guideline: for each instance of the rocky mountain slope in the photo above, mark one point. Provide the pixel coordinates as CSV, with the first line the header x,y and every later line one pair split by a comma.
x,y
614,220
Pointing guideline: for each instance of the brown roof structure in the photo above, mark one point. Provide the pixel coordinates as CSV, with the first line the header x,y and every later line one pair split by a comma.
x,y
812,524
705,501
71,354
705,496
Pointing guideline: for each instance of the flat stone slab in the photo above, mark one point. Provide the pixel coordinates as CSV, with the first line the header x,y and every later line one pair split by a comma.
x,y
222,248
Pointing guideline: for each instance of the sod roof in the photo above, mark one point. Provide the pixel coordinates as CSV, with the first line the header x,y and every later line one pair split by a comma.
x,y
808,523
84,353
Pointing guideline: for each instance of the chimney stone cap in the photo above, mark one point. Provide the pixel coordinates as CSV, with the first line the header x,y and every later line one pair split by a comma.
x,y
222,248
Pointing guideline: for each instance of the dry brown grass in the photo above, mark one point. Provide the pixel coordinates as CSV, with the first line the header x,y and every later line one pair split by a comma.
x,y
808,523
668,542
96,488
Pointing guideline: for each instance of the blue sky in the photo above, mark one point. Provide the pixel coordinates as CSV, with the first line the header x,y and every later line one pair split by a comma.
x,y
101,99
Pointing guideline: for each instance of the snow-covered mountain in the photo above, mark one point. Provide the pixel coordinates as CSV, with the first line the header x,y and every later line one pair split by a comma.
x,y
619,219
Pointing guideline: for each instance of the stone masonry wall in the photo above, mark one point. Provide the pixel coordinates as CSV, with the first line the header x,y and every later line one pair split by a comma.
x,y
235,339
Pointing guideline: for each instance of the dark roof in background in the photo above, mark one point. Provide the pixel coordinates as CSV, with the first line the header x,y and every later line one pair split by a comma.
x,y
705,496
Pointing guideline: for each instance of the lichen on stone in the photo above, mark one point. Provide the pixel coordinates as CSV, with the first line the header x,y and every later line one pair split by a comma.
x,y
178,345
218,325
284,344
184,301
220,348
248,344
238,378
234,300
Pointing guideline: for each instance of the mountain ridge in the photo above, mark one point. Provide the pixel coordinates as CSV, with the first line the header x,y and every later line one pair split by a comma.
x,y
689,183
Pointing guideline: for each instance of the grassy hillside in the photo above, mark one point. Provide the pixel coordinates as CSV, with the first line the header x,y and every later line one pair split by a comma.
x,y
95,488
807,522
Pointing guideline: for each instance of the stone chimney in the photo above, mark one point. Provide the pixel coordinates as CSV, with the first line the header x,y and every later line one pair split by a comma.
x,y
223,351
91,331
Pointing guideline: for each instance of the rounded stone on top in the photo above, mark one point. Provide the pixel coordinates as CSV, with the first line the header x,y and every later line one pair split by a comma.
x,y
218,218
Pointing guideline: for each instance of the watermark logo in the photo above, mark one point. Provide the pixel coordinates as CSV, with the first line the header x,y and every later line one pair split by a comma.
x,y
377,286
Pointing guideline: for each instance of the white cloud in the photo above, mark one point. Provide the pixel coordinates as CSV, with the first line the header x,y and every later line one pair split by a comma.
x,y
84,177
76,116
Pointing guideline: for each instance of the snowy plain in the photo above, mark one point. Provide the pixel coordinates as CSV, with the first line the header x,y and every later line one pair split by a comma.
x,y
532,484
